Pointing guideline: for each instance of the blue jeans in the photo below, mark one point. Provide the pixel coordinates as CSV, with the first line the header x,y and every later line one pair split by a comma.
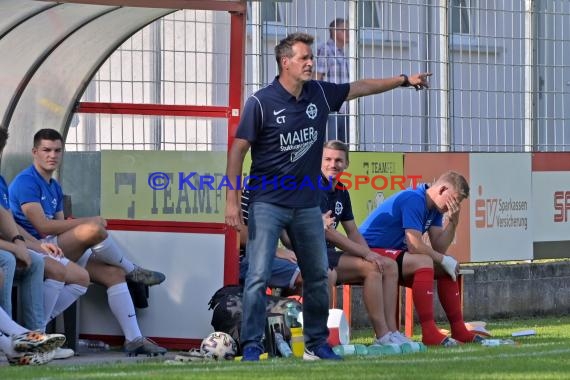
x,y
305,229
31,291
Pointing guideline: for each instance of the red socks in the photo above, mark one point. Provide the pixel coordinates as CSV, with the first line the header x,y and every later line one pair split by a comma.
x,y
448,291
422,292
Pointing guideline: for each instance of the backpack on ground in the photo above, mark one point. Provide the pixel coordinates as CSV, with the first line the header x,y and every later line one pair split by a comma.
x,y
227,308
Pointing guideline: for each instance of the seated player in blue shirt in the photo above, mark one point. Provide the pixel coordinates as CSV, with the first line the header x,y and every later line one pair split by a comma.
x,y
395,230
36,200
41,299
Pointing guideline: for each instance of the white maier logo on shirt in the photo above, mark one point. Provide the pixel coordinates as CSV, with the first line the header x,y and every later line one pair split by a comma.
x,y
311,111
298,141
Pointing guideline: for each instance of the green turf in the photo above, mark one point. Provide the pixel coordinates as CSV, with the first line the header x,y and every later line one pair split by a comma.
x,y
543,356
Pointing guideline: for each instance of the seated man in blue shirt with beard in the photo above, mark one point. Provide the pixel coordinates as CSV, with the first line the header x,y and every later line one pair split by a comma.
x,y
355,262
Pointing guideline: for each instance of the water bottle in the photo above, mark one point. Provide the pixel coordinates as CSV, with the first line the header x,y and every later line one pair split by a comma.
x,y
282,346
292,315
297,341
350,349
88,345
384,349
497,342
413,347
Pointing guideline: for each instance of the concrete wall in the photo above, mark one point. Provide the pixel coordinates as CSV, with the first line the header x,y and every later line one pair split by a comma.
x,y
502,291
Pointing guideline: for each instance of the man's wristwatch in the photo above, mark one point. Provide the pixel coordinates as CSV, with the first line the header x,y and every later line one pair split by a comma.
x,y
406,81
18,237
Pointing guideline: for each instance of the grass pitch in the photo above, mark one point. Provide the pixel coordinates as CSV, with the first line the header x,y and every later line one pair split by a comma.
x,y
542,356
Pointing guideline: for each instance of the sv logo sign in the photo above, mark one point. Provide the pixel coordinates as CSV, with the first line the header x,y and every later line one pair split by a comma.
x,y
485,212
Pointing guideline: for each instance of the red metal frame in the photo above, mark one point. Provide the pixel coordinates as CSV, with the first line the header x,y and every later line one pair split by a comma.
x,y
218,5
230,112
231,258
165,226
237,57
154,109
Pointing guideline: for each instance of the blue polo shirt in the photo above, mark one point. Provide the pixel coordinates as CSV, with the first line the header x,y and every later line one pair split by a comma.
x,y
337,200
29,186
286,136
385,227
4,199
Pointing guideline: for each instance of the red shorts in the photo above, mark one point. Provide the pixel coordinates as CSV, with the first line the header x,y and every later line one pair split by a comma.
x,y
391,253
394,254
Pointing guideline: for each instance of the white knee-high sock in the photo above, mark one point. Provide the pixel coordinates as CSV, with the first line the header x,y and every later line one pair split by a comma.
x,y
52,289
123,309
8,326
108,252
68,295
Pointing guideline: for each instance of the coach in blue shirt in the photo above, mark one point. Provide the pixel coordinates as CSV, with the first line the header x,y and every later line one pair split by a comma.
x,y
284,124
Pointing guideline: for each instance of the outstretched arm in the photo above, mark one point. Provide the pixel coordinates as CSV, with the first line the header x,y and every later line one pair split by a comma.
x,y
365,87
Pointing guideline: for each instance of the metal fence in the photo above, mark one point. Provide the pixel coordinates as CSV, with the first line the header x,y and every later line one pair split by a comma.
x,y
501,74
178,60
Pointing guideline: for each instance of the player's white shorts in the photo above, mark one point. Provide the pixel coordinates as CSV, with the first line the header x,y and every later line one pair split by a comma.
x,y
82,262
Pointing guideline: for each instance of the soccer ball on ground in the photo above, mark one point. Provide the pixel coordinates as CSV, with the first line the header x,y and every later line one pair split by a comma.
x,y
219,345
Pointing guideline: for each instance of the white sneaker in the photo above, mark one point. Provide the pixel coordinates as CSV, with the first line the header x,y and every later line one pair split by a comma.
x,y
384,340
399,338
63,353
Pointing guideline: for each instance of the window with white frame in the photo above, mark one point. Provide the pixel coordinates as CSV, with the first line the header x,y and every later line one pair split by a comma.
x,y
462,16
271,12
369,13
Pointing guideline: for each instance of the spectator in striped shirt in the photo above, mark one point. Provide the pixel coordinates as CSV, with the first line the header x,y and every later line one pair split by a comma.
x,y
332,66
